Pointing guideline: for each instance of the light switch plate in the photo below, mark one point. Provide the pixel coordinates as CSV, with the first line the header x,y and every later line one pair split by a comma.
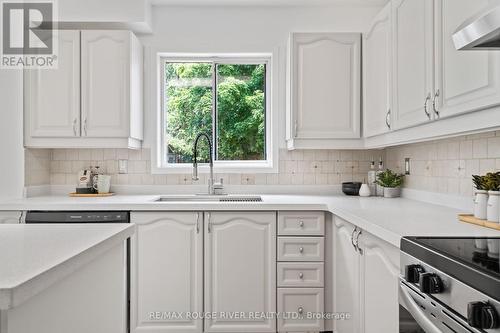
x,y
122,166
407,166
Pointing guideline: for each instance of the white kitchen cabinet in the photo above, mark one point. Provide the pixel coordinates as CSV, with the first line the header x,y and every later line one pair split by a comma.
x,y
240,270
377,63
347,271
94,98
465,80
366,271
10,217
52,96
379,285
323,90
167,271
110,99
413,62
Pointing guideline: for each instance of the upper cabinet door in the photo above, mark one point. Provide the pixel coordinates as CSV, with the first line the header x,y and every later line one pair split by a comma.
x,y
166,271
105,83
377,62
413,62
324,86
240,270
52,96
465,80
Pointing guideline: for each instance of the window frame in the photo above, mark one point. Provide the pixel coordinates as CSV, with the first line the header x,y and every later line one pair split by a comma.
x,y
161,165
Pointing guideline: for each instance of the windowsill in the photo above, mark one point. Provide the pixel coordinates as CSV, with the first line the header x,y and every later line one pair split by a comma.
x,y
219,167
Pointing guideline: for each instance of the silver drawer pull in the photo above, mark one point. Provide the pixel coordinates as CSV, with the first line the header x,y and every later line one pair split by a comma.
x,y
301,275
301,249
301,224
300,310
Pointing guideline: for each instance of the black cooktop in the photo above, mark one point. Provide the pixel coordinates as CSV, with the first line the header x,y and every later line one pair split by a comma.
x,y
474,261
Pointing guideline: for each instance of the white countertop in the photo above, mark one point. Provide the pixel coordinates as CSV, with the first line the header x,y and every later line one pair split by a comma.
x,y
34,256
388,219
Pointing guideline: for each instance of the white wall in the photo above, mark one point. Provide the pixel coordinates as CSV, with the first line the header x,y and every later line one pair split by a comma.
x,y
11,134
239,29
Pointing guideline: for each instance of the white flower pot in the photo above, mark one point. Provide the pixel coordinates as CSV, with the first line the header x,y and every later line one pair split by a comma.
x,y
493,207
480,204
392,192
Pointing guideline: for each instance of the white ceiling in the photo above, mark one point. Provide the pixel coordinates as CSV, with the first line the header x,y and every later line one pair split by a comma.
x,y
284,3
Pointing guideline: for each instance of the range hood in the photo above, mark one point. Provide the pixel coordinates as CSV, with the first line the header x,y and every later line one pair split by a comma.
x,y
481,32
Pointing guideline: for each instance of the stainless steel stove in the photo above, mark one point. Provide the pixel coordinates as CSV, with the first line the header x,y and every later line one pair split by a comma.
x,y
449,285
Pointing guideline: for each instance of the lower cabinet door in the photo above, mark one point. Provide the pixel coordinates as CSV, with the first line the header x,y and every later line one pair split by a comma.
x,y
166,272
240,271
380,281
346,291
300,309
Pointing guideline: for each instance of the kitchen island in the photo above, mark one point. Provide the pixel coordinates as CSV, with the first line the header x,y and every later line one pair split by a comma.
x,y
63,278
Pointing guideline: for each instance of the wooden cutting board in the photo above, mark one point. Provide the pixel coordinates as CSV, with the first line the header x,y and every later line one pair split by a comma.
x,y
469,218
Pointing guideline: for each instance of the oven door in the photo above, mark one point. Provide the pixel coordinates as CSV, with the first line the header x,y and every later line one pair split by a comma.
x,y
419,313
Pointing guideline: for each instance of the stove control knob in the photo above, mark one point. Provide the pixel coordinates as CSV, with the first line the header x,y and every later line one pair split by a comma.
x,y
430,283
412,273
482,315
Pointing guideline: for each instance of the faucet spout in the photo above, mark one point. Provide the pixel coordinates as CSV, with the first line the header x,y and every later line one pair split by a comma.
x,y
195,161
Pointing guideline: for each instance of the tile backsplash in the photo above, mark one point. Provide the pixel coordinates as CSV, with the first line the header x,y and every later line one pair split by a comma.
x,y
300,167
446,166
443,166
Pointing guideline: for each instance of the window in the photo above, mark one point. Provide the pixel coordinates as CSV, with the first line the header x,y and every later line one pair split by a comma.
x,y
225,97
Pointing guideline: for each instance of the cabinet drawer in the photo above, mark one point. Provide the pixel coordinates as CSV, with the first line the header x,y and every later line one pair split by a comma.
x,y
295,301
301,223
304,274
301,248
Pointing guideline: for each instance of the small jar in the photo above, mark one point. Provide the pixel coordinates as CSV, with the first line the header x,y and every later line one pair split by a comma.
x,y
480,204
493,210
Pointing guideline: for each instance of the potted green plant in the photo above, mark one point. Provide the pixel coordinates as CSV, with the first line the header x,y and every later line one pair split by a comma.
x,y
391,182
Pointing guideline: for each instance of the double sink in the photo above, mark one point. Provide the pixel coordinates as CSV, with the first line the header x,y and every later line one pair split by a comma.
x,y
209,198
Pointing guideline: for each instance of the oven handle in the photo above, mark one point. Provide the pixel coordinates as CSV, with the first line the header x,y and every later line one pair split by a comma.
x,y
414,309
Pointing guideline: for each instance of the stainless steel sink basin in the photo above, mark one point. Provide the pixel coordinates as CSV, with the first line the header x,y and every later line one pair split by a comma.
x,y
209,198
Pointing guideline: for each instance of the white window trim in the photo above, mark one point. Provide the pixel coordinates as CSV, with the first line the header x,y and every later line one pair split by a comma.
x,y
270,165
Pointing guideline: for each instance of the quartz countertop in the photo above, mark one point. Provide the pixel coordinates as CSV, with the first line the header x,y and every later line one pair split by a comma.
x,y
35,256
388,219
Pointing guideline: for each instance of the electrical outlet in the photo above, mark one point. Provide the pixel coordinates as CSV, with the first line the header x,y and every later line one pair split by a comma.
x,y
122,166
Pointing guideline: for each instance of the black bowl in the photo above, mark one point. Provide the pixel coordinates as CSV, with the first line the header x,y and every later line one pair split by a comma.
x,y
351,188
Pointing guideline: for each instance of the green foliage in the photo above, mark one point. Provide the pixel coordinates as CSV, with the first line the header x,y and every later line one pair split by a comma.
x,y
479,182
240,110
492,181
488,182
388,178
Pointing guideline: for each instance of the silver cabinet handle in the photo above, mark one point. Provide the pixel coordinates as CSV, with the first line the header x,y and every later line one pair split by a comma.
x,y
301,275
85,126
74,126
295,126
198,222
301,224
300,310
301,249
360,250
209,227
427,99
352,238
387,119
434,107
